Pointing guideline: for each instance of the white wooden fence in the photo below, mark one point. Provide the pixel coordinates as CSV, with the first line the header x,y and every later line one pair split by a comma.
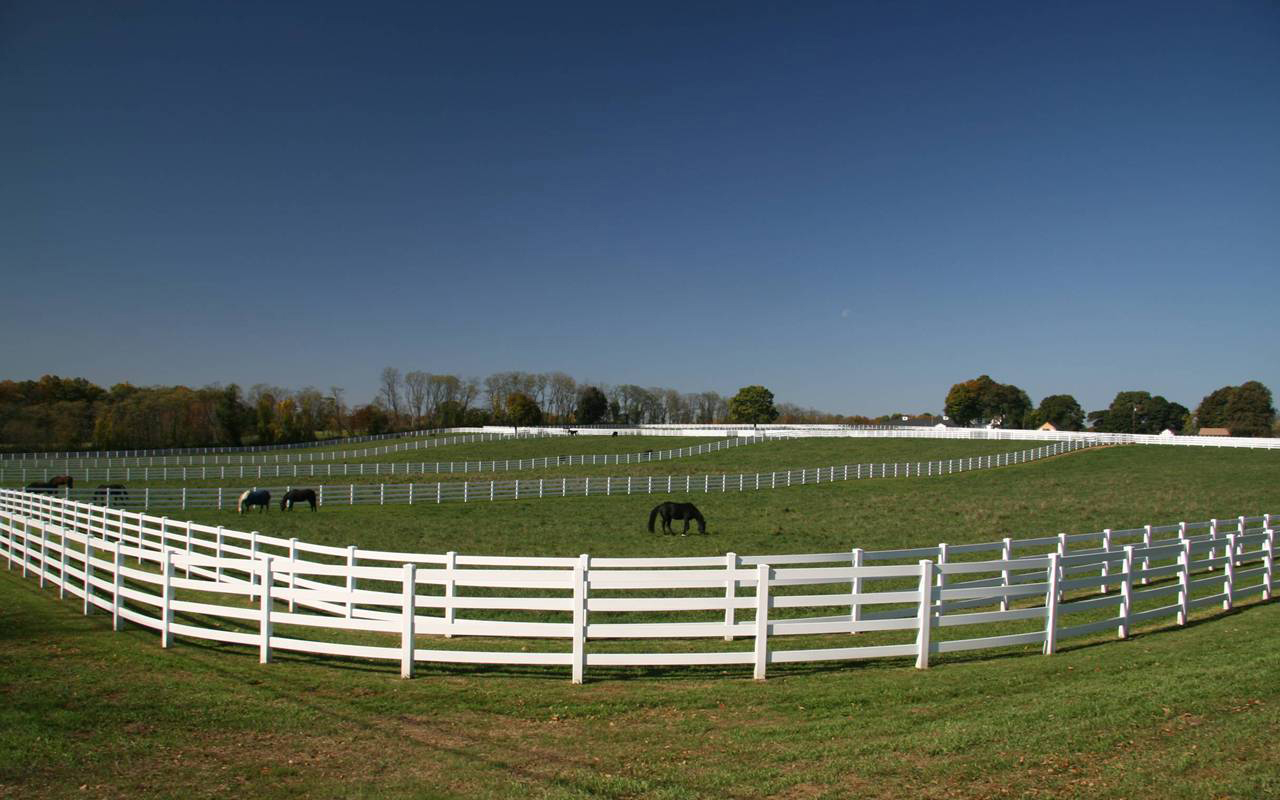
x,y
184,579
176,451
236,455
303,465
148,498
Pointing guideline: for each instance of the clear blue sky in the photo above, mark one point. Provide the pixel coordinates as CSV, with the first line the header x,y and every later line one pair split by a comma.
x,y
854,204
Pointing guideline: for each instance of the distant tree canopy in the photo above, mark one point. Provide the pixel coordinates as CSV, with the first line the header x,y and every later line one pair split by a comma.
x,y
984,400
753,404
1245,410
1060,409
1140,412
593,406
523,409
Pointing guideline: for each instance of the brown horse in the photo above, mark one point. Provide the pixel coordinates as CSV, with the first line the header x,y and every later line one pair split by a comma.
x,y
62,480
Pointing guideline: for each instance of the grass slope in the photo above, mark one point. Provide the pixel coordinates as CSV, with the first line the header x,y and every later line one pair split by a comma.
x,y
1178,713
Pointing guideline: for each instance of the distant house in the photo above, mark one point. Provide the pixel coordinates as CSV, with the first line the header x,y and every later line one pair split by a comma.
x,y
924,422
1214,432
1048,426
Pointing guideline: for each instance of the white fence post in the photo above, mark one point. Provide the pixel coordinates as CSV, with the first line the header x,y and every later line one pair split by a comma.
x,y
1184,583
117,579
940,579
410,592
1268,563
351,578
1051,598
264,631
88,573
924,616
253,556
1229,572
166,600
764,573
1213,536
855,588
580,588
293,558
1006,554
218,552
730,595
1126,593
450,565
1106,554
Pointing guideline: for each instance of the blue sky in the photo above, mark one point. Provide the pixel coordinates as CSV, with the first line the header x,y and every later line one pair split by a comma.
x,y
854,204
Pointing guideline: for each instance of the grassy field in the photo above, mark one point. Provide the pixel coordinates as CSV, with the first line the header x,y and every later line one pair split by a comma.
x,y
495,460
1180,713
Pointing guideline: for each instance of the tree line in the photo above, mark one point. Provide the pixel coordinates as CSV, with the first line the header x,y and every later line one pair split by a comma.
x,y
55,413
1244,410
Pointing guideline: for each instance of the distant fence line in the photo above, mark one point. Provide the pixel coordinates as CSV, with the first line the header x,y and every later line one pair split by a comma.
x,y
194,460
147,498
303,468
174,451
223,585
718,429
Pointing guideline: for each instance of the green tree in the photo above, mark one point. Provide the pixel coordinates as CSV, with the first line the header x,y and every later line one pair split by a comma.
x,y
231,414
593,406
1250,412
983,399
1063,411
1246,410
1212,412
1140,412
753,404
523,409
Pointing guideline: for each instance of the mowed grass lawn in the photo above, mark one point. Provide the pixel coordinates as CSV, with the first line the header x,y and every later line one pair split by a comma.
x,y
1180,713
498,461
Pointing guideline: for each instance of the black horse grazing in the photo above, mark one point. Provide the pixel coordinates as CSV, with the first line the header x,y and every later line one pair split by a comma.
x,y
298,496
62,480
42,487
670,511
107,492
250,498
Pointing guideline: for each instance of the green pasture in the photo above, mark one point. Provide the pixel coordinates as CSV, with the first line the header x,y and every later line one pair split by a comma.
x,y
1117,487
490,460
1173,712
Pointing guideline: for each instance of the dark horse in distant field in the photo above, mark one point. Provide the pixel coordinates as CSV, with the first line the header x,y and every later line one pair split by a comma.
x,y
298,496
107,492
250,498
669,511
62,480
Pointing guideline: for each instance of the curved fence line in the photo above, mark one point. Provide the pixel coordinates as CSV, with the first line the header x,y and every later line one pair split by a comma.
x,y
173,451
222,498
718,429
307,468
278,458
232,586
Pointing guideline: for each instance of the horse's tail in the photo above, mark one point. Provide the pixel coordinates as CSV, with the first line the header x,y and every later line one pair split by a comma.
x,y
654,515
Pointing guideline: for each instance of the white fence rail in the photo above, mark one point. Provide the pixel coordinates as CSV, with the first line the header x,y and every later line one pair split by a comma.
x,y
184,579
175,451
303,466
148,498
174,456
